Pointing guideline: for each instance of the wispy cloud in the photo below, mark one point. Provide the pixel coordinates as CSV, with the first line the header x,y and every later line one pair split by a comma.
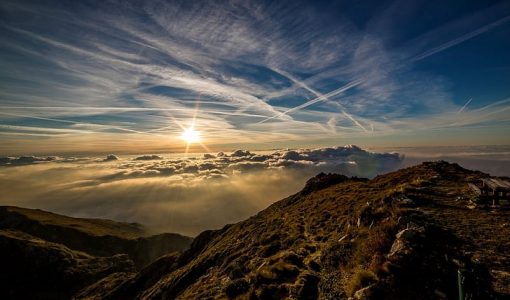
x,y
465,105
140,70
461,39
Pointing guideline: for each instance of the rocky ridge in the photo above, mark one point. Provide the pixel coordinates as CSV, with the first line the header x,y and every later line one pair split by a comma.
x,y
402,235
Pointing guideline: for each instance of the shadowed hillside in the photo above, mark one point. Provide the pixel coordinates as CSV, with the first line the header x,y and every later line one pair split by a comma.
x,y
49,256
402,235
33,268
95,236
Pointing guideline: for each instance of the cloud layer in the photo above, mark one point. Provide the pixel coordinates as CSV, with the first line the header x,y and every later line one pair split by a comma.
x,y
185,195
188,195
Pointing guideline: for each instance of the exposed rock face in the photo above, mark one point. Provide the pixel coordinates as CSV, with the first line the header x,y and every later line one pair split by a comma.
x,y
365,293
404,242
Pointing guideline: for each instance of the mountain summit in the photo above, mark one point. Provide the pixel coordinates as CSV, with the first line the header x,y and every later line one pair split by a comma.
x,y
409,234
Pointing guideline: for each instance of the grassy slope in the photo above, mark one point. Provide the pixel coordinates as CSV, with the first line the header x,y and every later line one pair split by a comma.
x,y
329,243
97,227
33,268
97,237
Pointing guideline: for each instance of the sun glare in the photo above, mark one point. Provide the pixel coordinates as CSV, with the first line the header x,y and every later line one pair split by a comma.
x,y
190,135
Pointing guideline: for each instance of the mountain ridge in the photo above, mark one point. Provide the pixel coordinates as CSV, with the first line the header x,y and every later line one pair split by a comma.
x,y
401,235
339,238
99,237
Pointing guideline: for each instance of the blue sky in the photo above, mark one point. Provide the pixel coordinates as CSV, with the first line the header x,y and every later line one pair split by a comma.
x,y
95,76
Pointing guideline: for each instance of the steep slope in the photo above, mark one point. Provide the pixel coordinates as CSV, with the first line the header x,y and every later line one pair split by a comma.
x,y
97,237
402,235
94,227
36,269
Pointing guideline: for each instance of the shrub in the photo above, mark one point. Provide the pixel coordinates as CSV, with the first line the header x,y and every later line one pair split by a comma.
x,y
293,258
277,273
271,249
237,268
360,280
269,292
237,287
335,254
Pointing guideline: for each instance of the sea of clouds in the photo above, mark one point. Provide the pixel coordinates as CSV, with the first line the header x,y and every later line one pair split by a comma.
x,y
190,194
176,193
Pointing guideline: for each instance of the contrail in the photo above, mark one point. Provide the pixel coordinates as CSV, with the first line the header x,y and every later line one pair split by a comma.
x,y
78,123
317,99
356,82
478,118
355,121
298,82
465,105
461,39
140,109
497,103
41,129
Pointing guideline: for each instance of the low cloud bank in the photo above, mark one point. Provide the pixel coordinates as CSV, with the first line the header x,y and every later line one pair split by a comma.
x,y
185,195
349,160
149,157
111,157
25,160
29,160
188,195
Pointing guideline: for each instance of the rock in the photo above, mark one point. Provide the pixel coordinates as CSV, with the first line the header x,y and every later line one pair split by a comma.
x,y
407,202
397,247
403,243
309,289
409,234
364,293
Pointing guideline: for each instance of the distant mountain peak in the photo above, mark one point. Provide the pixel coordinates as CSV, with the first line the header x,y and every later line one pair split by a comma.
x,y
323,180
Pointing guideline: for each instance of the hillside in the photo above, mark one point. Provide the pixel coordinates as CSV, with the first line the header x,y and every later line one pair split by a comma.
x,y
49,256
402,235
97,237
33,268
92,227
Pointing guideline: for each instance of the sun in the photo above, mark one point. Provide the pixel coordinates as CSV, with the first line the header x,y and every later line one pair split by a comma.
x,y
190,135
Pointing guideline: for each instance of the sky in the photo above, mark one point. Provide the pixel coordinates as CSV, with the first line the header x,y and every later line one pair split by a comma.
x,y
131,76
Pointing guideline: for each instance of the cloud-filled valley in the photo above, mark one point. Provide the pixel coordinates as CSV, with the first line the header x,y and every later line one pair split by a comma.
x,y
202,191
173,193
